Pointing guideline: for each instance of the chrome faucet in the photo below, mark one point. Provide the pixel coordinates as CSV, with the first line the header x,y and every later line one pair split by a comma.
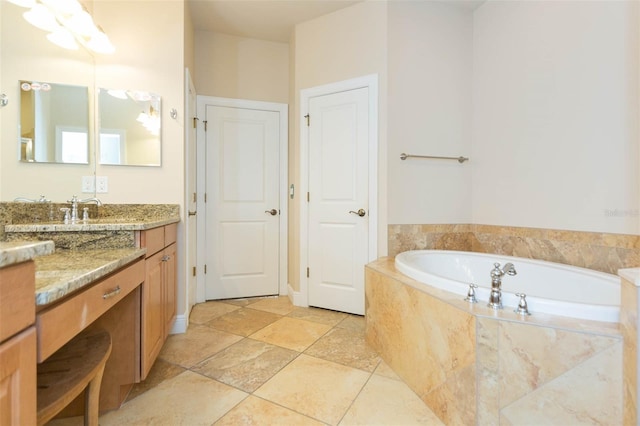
x,y
74,205
495,298
42,199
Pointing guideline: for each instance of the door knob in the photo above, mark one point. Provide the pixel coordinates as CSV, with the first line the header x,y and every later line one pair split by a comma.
x,y
360,212
272,212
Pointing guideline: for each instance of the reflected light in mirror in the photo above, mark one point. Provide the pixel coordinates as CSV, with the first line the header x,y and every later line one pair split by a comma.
x,y
129,128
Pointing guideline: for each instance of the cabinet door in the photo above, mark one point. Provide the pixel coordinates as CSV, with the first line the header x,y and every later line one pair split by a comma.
x,y
152,312
169,287
18,379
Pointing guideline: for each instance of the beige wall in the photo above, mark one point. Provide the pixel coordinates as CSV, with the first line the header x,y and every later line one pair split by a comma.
x,y
555,118
241,68
349,43
430,71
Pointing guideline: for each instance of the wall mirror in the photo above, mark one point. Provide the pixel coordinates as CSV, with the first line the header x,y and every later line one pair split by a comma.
x,y
54,123
129,128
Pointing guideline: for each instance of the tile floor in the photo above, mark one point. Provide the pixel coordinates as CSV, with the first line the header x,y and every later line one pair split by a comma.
x,y
265,362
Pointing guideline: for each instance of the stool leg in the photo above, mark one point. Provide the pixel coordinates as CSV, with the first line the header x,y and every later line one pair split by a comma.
x,y
92,399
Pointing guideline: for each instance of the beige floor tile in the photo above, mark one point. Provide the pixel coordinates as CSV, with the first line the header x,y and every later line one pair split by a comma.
x,y
384,370
314,387
291,333
346,347
243,321
205,312
160,372
197,344
187,399
247,364
353,322
244,301
277,305
256,411
322,316
386,401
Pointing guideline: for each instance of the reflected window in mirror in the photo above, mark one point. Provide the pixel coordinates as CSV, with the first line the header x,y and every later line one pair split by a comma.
x,y
54,123
129,127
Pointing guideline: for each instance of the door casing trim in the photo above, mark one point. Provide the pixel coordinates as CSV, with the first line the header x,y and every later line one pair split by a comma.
x,y
301,298
283,190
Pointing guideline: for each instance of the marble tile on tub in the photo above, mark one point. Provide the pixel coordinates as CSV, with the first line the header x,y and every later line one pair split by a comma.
x,y
598,401
488,370
460,387
531,356
385,401
423,339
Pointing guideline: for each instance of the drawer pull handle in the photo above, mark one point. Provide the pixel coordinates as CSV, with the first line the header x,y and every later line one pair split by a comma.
x,y
112,293
166,258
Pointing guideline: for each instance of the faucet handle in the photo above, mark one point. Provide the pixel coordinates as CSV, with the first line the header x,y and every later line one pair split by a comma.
x,y
65,210
471,294
73,199
522,308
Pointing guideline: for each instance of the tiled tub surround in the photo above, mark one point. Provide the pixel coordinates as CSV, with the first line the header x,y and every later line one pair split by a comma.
x,y
629,325
471,365
599,251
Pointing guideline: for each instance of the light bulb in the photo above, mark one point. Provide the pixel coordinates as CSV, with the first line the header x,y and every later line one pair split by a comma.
x,y
39,16
100,43
65,7
63,38
81,23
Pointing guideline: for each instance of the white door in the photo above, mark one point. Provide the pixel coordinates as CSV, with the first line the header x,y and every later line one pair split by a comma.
x,y
338,241
191,202
243,208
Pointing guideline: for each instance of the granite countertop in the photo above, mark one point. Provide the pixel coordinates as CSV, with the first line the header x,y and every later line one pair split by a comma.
x,y
21,251
102,224
63,272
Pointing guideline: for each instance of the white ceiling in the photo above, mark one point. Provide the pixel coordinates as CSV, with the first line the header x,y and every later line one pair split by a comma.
x,y
261,19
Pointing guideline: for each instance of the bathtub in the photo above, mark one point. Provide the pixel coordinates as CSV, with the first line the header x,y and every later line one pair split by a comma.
x,y
551,288
472,365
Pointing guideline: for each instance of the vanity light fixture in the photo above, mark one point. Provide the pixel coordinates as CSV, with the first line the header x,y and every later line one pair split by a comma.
x,y
68,24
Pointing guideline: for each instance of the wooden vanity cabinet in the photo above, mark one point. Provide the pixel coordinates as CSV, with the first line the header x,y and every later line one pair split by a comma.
x,y
158,292
17,345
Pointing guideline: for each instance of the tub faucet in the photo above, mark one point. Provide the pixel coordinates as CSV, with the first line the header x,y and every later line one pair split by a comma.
x,y
495,298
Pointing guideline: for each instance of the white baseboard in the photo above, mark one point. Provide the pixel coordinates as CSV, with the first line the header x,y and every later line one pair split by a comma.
x,y
297,298
180,324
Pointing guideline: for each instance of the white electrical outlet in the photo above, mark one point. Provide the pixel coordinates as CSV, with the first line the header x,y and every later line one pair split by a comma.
x,y
88,184
102,184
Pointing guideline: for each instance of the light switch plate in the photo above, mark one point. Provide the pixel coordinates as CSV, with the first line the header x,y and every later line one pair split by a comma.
x,y
88,184
102,184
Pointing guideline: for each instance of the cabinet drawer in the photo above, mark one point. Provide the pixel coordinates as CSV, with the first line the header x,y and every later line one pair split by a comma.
x,y
17,298
60,323
153,240
170,234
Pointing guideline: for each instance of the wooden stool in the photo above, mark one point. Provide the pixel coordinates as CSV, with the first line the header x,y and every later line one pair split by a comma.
x,y
75,367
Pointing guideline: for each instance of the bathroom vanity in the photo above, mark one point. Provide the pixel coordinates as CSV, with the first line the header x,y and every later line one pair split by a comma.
x,y
122,279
